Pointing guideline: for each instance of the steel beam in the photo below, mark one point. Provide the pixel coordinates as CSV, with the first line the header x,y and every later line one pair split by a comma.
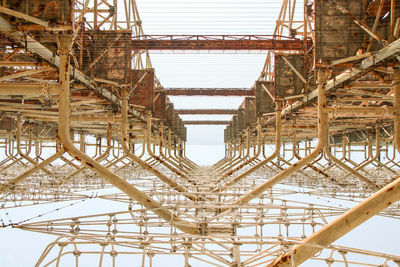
x,y
206,122
206,111
322,137
209,92
27,89
216,42
24,73
341,226
17,14
64,137
8,64
367,64
278,141
36,47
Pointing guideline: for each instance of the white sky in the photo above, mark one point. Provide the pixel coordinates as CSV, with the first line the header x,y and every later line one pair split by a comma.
x,y
208,17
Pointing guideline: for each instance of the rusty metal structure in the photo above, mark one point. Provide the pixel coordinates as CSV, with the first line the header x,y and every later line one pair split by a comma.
x,y
82,110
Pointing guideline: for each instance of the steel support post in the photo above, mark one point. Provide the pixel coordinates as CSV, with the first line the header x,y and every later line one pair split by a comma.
x,y
151,152
396,104
342,225
144,165
353,217
322,137
64,137
266,160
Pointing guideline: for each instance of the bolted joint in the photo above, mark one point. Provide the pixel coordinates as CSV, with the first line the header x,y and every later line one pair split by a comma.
x,y
203,230
329,261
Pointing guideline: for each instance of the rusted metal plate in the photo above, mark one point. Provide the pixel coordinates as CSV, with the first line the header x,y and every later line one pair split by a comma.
x,y
184,134
287,82
169,114
160,105
111,55
175,121
207,111
264,102
229,131
181,130
225,135
215,42
241,122
373,7
143,88
52,11
209,91
250,111
8,124
235,126
336,35
213,122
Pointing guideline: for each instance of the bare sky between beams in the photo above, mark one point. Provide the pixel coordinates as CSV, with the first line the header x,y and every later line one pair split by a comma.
x,y
216,69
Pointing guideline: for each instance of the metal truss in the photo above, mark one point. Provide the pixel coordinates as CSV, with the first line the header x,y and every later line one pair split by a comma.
x,y
82,113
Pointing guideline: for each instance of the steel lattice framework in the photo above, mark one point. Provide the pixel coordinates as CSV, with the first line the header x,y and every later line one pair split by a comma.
x,y
81,110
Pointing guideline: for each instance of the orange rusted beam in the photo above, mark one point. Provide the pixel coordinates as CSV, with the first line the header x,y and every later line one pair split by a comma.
x,y
209,92
215,42
206,111
206,122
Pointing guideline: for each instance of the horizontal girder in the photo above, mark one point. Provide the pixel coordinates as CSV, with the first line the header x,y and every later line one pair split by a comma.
x,y
206,111
216,42
209,92
206,122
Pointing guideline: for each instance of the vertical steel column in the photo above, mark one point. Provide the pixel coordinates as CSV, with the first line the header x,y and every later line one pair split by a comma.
x,y
342,225
396,96
151,151
266,160
63,135
144,165
353,217
322,138
248,161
